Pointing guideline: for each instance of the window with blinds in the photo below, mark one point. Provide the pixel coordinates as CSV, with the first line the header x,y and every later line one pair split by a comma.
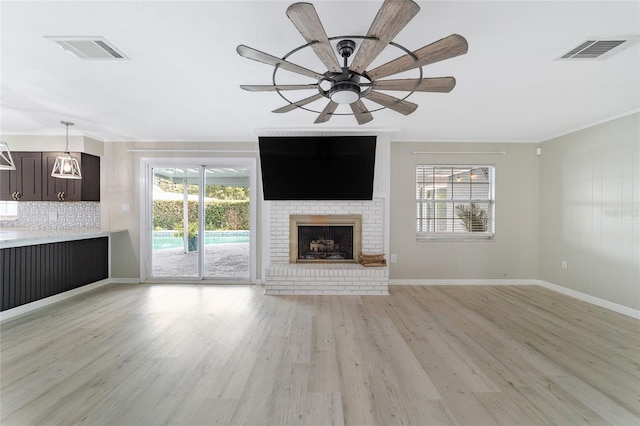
x,y
455,202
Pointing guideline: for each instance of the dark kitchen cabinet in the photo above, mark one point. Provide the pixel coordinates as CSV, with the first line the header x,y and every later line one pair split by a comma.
x,y
90,177
24,183
85,189
32,180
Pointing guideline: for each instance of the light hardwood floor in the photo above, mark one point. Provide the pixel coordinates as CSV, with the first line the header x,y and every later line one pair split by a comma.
x,y
184,354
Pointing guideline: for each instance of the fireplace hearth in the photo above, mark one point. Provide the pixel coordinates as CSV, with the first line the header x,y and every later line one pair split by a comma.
x,y
325,238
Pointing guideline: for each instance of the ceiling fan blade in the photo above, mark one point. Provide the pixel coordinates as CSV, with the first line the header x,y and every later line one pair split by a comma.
x,y
326,113
398,105
440,50
361,112
306,20
271,88
390,20
300,103
437,84
265,58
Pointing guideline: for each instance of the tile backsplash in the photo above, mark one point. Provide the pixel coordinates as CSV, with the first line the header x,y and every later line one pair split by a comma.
x,y
55,215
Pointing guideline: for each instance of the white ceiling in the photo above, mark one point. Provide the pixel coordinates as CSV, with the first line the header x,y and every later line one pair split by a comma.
x,y
181,82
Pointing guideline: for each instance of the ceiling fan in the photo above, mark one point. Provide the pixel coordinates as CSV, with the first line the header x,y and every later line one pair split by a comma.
x,y
349,84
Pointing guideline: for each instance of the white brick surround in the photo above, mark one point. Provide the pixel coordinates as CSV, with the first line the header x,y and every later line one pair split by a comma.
x,y
281,277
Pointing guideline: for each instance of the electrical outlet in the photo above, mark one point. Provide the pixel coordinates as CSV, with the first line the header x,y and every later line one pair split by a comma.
x,y
53,215
125,207
393,258
563,264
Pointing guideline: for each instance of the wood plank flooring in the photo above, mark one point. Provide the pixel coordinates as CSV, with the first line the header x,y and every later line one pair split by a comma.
x,y
185,354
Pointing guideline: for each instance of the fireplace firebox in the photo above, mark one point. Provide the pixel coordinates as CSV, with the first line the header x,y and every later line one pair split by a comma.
x,y
325,238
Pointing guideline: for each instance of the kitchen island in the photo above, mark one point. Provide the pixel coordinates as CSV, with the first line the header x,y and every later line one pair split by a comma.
x,y
40,263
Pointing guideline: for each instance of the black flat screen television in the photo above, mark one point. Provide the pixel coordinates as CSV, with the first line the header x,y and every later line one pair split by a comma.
x,y
317,168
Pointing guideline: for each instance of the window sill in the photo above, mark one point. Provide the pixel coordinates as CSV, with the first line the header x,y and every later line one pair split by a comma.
x,y
462,237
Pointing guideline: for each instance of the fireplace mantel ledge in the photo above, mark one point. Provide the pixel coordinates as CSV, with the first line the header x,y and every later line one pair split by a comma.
x,y
347,266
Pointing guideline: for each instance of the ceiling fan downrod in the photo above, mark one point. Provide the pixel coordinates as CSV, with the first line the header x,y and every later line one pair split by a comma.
x,y
345,87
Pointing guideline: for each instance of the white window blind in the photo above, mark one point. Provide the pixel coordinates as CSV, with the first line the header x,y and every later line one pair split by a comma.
x,y
455,201
8,210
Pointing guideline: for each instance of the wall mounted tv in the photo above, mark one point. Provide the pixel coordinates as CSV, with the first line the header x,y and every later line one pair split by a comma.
x,y
318,168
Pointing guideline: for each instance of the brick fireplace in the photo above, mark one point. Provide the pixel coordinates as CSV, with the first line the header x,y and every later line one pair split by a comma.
x,y
286,275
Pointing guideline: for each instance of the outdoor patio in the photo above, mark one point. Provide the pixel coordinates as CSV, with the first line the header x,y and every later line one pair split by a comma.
x,y
221,261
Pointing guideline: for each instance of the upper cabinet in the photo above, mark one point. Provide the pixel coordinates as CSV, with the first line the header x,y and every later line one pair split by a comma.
x,y
32,180
24,183
90,177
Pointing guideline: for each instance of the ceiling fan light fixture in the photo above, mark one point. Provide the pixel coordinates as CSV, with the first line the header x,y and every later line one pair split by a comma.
x,y
345,89
344,93
66,165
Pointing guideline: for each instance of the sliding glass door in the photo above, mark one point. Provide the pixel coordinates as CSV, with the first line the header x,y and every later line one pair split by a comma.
x,y
200,222
227,222
176,222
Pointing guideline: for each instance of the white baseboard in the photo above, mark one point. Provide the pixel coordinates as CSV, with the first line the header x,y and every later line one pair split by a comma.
x,y
23,309
124,281
504,281
621,309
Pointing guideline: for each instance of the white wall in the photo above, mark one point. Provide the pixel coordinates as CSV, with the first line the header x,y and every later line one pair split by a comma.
x,y
512,255
590,211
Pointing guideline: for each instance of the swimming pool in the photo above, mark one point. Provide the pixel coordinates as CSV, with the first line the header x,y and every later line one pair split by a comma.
x,y
165,239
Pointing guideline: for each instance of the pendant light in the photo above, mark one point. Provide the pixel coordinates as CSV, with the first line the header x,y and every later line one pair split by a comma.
x,y
66,165
6,162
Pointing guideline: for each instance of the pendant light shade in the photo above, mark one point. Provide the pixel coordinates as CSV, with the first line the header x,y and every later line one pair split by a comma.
x,y
66,165
6,162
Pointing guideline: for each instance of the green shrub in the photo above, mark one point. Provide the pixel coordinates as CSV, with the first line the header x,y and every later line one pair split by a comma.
x,y
473,217
192,230
218,215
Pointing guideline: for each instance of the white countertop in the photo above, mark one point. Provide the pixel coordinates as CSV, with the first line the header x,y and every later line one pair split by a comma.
x,y
17,237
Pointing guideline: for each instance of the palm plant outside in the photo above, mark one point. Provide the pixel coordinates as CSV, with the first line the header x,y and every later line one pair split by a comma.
x,y
473,217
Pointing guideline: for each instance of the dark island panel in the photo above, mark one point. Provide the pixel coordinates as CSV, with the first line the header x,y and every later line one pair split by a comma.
x,y
31,273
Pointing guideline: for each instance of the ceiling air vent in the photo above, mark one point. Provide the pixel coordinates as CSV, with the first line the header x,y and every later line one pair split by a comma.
x,y
597,48
89,48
